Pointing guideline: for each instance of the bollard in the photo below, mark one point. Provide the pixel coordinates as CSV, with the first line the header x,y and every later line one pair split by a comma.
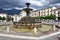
x,y
54,27
35,30
8,29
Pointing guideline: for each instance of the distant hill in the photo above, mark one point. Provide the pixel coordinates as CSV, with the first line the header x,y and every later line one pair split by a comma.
x,y
10,12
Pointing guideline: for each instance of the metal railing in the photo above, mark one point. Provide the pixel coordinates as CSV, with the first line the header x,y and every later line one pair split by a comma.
x,y
6,23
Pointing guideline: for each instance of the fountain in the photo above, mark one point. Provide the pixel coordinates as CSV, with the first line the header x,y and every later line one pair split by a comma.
x,y
28,22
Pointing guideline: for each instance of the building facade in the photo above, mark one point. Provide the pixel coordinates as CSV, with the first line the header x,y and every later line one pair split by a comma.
x,y
19,16
3,15
44,12
38,13
58,11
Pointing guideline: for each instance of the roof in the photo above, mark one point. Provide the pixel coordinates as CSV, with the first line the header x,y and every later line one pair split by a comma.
x,y
57,9
42,9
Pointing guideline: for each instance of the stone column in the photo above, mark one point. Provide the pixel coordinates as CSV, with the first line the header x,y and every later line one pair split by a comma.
x,y
8,29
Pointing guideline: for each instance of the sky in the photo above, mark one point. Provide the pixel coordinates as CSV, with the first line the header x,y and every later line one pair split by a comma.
x,y
20,4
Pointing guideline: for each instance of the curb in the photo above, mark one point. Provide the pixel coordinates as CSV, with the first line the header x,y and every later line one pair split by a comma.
x,y
27,37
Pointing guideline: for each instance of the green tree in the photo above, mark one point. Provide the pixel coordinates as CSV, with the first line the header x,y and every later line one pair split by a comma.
x,y
0,18
3,18
52,16
41,17
45,17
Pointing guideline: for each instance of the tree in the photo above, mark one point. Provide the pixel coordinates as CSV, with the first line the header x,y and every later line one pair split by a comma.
x,y
3,18
41,17
11,19
0,18
36,17
52,16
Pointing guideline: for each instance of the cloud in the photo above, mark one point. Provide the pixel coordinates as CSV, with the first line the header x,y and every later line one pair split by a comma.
x,y
12,8
36,3
19,4
56,4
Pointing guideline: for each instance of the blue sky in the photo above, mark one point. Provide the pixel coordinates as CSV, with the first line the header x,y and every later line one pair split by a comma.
x,y
35,4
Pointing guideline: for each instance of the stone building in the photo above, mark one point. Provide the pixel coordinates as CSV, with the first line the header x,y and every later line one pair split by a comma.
x,y
57,12
38,13
3,15
44,12
17,17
